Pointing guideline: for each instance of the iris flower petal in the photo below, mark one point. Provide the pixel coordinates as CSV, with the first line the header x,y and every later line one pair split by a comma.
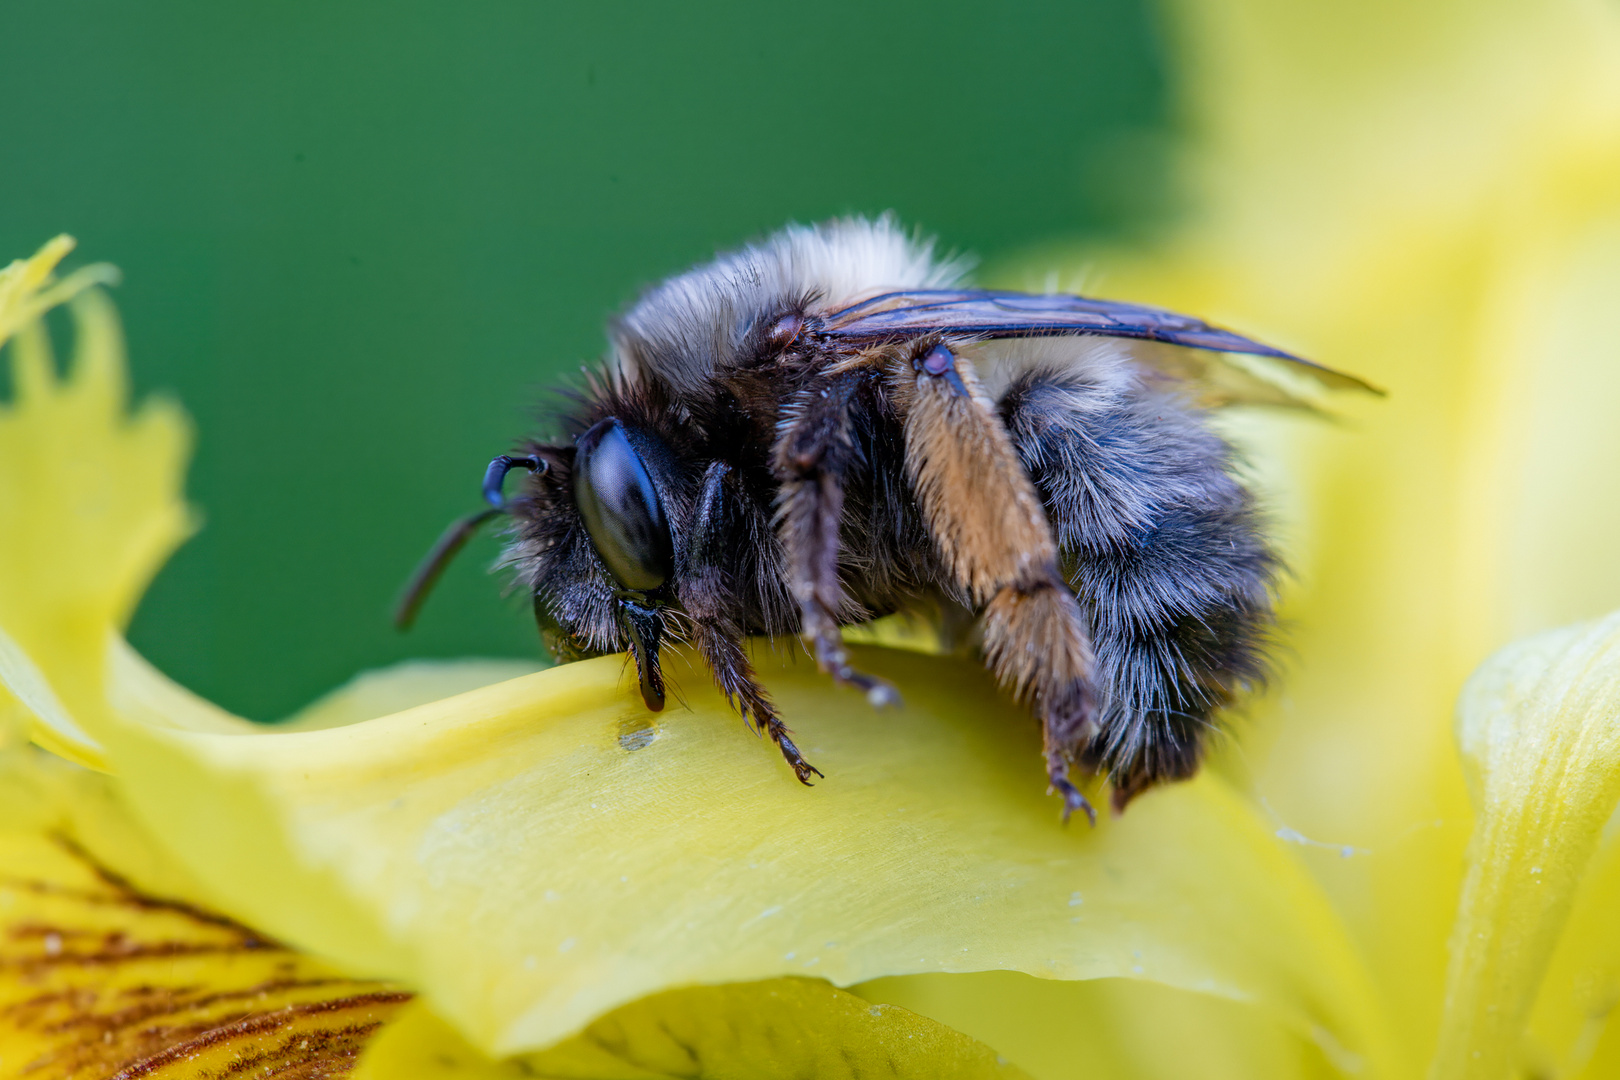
x,y
1117,1028
1569,1023
111,483
100,978
539,851
1539,729
777,1027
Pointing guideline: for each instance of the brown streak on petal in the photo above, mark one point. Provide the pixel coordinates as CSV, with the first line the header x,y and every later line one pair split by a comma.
x,y
128,894
257,1025
99,980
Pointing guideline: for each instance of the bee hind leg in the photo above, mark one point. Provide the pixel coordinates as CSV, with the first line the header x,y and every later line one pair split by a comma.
x,y
988,525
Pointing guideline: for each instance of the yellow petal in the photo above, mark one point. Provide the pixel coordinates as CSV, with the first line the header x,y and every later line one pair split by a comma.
x,y
779,1027
537,852
100,979
1539,728
1115,1028
92,506
1572,1016
27,289
406,685
1429,196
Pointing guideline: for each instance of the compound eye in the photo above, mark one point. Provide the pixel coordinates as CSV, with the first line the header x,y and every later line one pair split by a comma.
x,y
617,499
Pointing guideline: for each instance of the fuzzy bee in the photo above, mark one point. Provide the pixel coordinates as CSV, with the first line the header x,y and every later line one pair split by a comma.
x,y
827,427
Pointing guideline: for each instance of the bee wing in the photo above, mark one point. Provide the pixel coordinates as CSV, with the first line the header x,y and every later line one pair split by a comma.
x,y
1232,369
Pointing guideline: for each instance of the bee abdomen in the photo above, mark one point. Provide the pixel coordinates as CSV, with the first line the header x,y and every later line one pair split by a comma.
x,y
1165,551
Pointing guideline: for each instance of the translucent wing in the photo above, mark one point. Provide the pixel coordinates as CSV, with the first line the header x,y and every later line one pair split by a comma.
x,y
1248,371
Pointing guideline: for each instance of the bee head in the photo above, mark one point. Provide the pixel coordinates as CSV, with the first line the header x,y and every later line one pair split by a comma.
x,y
596,546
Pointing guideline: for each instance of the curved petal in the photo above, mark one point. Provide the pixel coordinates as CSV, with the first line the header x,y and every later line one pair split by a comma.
x,y
534,853
92,507
779,1027
1117,1028
1571,1019
99,978
402,686
1539,729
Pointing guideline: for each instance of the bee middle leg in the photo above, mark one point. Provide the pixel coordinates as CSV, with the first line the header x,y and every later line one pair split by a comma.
x,y
814,453
991,531
708,595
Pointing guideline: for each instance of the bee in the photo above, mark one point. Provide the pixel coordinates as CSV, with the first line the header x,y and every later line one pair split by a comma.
x,y
828,427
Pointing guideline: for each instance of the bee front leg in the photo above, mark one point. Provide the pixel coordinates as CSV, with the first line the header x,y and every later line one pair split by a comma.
x,y
814,452
735,678
709,598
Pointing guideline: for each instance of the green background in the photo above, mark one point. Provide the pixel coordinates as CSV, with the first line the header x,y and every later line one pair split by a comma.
x,y
360,239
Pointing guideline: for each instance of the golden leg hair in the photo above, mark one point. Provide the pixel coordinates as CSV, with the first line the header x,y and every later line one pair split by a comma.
x,y
990,529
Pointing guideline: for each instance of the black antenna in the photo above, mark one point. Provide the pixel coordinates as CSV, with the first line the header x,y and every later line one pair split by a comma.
x,y
456,536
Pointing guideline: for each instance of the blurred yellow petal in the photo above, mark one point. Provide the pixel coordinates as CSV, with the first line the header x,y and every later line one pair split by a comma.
x,y
1428,196
93,506
534,853
1539,728
28,288
1570,1021
779,1027
98,978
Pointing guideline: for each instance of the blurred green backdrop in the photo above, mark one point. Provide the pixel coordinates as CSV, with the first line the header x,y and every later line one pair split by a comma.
x,y
359,239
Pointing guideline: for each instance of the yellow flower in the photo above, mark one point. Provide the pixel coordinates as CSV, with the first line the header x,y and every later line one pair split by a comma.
x,y
1427,197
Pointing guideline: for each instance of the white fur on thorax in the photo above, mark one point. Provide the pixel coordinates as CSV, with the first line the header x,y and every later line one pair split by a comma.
x,y
1108,364
688,326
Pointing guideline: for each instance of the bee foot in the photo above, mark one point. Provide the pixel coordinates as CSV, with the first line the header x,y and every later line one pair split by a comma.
x,y
878,692
801,768
1057,775
831,658
1072,801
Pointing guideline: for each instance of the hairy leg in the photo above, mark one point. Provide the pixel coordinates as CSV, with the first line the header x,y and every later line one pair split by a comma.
x,y
814,453
989,527
707,594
